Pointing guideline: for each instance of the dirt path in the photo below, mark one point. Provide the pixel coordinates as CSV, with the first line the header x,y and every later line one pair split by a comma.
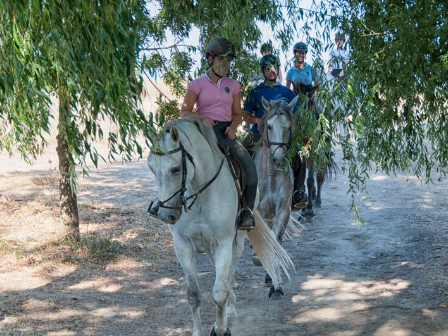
x,y
388,277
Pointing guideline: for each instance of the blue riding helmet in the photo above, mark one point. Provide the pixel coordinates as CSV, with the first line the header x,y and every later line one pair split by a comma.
x,y
300,46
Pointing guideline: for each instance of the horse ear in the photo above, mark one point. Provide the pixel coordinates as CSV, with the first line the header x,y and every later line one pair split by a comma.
x,y
174,134
266,104
293,103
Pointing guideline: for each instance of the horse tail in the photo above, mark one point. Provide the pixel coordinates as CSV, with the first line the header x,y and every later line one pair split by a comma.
x,y
331,168
271,254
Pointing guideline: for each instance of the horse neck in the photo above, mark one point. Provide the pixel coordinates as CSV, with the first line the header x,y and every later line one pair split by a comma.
x,y
206,163
263,159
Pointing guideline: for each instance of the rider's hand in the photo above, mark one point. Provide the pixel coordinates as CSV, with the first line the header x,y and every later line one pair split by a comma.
x,y
246,117
231,132
207,121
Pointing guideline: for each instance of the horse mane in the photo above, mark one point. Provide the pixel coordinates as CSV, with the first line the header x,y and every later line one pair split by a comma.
x,y
184,126
278,106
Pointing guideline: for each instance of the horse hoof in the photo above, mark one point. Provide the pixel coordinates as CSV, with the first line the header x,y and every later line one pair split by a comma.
x,y
226,334
268,280
256,261
276,294
308,212
277,297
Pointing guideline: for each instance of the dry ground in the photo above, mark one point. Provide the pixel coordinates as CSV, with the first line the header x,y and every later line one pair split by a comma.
x,y
388,277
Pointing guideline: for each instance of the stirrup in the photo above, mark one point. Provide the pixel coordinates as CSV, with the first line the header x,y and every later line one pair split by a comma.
x,y
302,202
243,225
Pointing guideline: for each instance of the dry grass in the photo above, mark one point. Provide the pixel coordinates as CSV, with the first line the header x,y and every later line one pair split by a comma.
x,y
39,273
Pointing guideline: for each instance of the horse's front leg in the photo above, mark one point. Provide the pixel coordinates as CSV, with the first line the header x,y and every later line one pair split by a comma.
x,y
236,253
282,218
223,261
187,258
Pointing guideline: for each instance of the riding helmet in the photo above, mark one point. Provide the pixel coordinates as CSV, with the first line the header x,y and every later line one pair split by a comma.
x,y
220,47
267,46
300,46
269,60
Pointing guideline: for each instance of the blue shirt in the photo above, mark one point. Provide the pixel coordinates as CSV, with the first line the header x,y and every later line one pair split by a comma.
x,y
304,76
254,103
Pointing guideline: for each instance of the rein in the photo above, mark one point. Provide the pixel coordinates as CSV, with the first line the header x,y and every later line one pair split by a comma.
x,y
184,199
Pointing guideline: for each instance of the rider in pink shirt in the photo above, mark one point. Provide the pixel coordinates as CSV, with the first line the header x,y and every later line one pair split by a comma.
x,y
213,98
218,104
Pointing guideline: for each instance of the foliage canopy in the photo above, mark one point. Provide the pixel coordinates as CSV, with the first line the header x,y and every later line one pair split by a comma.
x,y
100,50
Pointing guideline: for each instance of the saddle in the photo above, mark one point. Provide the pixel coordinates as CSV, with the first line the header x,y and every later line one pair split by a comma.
x,y
238,173
307,90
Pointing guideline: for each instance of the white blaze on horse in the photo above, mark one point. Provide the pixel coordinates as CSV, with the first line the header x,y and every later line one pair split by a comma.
x,y
275,179
199,197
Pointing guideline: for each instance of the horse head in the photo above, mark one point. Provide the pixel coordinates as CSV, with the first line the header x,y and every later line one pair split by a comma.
x,y
173,168
277,125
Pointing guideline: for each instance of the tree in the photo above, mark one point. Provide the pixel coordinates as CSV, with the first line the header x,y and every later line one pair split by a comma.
x,y
85,52
397,86
92,55
398,50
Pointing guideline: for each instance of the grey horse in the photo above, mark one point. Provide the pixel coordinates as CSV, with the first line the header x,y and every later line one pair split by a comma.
x,y
275,179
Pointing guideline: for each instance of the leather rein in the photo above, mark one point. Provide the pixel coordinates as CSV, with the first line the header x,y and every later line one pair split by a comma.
x,y
184,199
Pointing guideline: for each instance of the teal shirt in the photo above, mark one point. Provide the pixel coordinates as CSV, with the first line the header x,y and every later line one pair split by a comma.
x,y
304,76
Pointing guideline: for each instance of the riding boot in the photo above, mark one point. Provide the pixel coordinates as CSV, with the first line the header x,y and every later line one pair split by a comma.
x,y
153,208
246,217
299,198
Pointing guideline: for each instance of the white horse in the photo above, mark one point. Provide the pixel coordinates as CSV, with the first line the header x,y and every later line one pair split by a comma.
x,y
275,179
200,199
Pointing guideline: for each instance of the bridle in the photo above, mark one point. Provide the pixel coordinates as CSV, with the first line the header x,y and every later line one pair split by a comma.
x,y
184,199
269,143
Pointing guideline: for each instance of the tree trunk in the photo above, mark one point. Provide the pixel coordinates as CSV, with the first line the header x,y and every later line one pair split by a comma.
x,y
69,224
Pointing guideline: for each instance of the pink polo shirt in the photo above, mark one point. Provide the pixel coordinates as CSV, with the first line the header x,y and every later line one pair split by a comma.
x,y
214,99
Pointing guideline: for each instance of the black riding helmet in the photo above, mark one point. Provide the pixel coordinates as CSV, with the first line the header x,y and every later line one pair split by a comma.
x,y
300,46
220,47
268,61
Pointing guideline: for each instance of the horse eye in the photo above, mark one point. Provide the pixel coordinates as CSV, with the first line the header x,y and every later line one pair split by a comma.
x,y
269,127
175,171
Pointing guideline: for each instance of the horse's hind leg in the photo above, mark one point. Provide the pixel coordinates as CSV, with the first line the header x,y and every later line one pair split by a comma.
x,y
187,258
320,182
223,263
308,211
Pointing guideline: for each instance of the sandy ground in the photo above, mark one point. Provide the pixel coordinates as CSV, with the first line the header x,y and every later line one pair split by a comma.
x,y
387,277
